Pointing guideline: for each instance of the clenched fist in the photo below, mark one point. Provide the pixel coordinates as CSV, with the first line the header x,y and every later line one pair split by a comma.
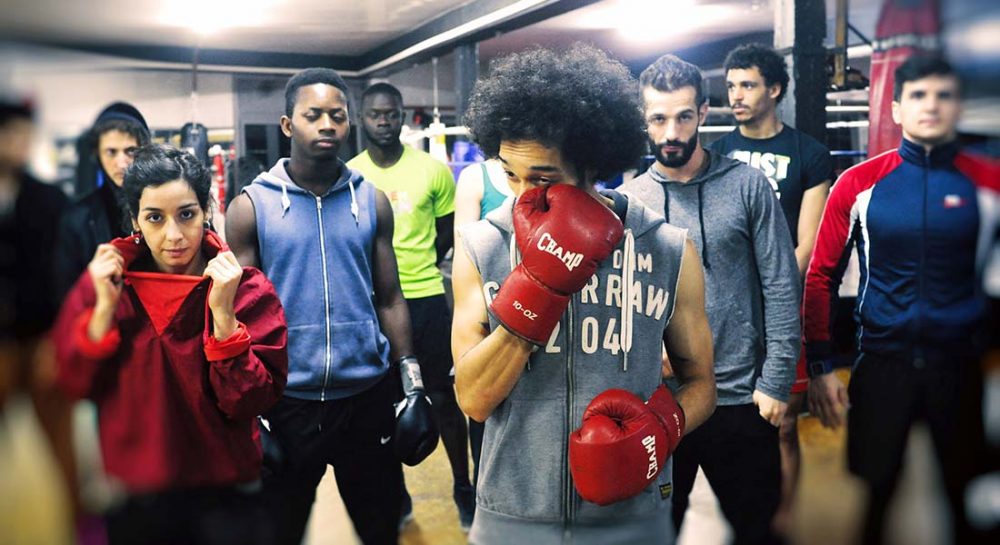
x,y
225,273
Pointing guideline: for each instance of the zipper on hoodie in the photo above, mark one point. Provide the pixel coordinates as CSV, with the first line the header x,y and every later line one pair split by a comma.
x,y
568,491
918,356
326,296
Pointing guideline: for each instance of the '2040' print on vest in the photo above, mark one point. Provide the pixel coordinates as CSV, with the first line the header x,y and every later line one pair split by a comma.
x,y
646,299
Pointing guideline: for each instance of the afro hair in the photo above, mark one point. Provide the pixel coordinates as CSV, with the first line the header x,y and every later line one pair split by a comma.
x,y
579,101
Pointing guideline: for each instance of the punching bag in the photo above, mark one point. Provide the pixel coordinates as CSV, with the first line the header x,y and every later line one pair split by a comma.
x,y
194,138
904,27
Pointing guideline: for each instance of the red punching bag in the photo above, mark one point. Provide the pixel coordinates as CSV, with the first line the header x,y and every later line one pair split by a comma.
x,y
904,27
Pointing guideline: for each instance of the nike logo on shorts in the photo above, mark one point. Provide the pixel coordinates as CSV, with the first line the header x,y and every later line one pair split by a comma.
x,y
385,440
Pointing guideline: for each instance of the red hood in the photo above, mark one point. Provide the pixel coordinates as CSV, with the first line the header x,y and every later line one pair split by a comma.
x,y
162,294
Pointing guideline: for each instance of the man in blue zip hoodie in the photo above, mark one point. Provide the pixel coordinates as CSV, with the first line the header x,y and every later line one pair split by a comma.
x,y
323,236
535,353
923,217
751,297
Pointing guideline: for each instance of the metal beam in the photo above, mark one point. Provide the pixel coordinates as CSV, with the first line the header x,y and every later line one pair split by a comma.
x,y
209,59
470,23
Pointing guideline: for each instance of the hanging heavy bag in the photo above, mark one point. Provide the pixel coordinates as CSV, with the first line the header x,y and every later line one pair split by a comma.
x,y
416,433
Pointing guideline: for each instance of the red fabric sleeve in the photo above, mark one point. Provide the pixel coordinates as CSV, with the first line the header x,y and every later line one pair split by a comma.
x,y
826,267
82,364
252,375
230,347
87,348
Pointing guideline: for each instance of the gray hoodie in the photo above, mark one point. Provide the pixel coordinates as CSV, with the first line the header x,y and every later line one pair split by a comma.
x,y
752,285
610,337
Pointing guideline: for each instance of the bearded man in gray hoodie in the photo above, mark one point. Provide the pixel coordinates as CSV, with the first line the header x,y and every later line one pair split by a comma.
x,y
751,298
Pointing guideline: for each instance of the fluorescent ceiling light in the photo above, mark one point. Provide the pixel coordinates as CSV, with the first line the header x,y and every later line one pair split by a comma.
x,y
654,20
207,17
474,25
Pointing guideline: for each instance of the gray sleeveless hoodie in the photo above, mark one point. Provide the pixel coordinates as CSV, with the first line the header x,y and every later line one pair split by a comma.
x,y
610,337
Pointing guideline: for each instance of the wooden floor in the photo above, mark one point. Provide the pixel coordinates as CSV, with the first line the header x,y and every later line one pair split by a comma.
x,y
827,511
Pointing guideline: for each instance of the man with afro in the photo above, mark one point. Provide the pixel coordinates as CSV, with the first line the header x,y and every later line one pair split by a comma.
x,y
563,301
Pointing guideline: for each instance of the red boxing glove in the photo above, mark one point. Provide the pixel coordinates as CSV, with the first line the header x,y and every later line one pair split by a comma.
x,y
563,234
623,443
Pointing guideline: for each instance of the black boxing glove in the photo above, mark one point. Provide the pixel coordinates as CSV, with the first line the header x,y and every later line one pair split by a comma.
x,y
416,433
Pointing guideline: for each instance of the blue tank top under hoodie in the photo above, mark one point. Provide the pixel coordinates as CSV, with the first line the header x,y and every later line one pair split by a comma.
x,y
317,251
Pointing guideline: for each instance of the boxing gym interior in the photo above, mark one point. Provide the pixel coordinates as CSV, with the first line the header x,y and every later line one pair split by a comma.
x,y
208,77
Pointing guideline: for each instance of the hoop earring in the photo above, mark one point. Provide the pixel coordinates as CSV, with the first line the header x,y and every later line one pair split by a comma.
x,y
136,236
207,225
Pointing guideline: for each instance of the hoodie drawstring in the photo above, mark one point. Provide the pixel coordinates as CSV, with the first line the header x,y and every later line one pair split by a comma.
x,y
666,202
515,259
286,202
701,217
701,223
628,273
354,203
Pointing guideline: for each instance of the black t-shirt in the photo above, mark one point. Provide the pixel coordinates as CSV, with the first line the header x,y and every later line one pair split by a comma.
x,y
792,161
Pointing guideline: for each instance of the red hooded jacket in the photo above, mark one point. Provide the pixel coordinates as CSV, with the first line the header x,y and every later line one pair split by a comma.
x,y
176,407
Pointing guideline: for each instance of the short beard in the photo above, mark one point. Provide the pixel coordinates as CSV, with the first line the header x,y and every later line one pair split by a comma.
x,y
674,160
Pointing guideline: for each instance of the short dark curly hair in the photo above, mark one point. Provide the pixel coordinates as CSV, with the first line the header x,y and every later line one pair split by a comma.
x,y
579,101
156,164
770,64
311,76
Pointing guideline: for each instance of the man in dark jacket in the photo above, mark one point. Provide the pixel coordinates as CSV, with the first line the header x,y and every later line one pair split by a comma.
x,y
923,218
96,217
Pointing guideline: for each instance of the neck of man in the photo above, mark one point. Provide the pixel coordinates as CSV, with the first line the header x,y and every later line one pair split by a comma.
x,y
315,176
766,127
687,171
930,145
385,156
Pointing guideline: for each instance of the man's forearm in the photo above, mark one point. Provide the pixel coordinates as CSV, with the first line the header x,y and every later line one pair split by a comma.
x,y
486,374
394,318
697,397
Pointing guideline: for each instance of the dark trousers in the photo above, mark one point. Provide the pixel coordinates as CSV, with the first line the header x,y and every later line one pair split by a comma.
x,y
887,397
354,436
738,450
205,516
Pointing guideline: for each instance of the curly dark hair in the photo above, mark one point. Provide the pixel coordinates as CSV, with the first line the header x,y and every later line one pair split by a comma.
x,y
770,64
157,164
579,101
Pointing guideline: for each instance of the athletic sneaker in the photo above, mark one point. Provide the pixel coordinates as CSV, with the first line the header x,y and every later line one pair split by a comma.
x,y
406,512
465,499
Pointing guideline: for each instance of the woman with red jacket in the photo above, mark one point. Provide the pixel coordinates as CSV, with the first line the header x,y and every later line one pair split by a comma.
x,y
180,348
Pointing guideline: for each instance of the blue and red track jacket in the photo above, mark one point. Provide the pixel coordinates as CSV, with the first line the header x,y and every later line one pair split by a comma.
x,y
923,224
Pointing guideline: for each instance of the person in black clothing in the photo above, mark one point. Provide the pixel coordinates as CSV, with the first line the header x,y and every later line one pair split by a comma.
x,y
29,215
800,171
96,216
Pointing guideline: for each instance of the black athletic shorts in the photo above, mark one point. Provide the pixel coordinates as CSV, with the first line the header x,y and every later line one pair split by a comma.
x,y
430,320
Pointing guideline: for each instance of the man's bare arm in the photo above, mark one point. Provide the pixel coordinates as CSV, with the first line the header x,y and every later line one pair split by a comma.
x,y
487,365
393,314
810,212
689,343
241,231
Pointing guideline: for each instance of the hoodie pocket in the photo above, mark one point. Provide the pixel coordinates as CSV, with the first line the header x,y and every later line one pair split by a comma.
x,y
354,356
521,469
